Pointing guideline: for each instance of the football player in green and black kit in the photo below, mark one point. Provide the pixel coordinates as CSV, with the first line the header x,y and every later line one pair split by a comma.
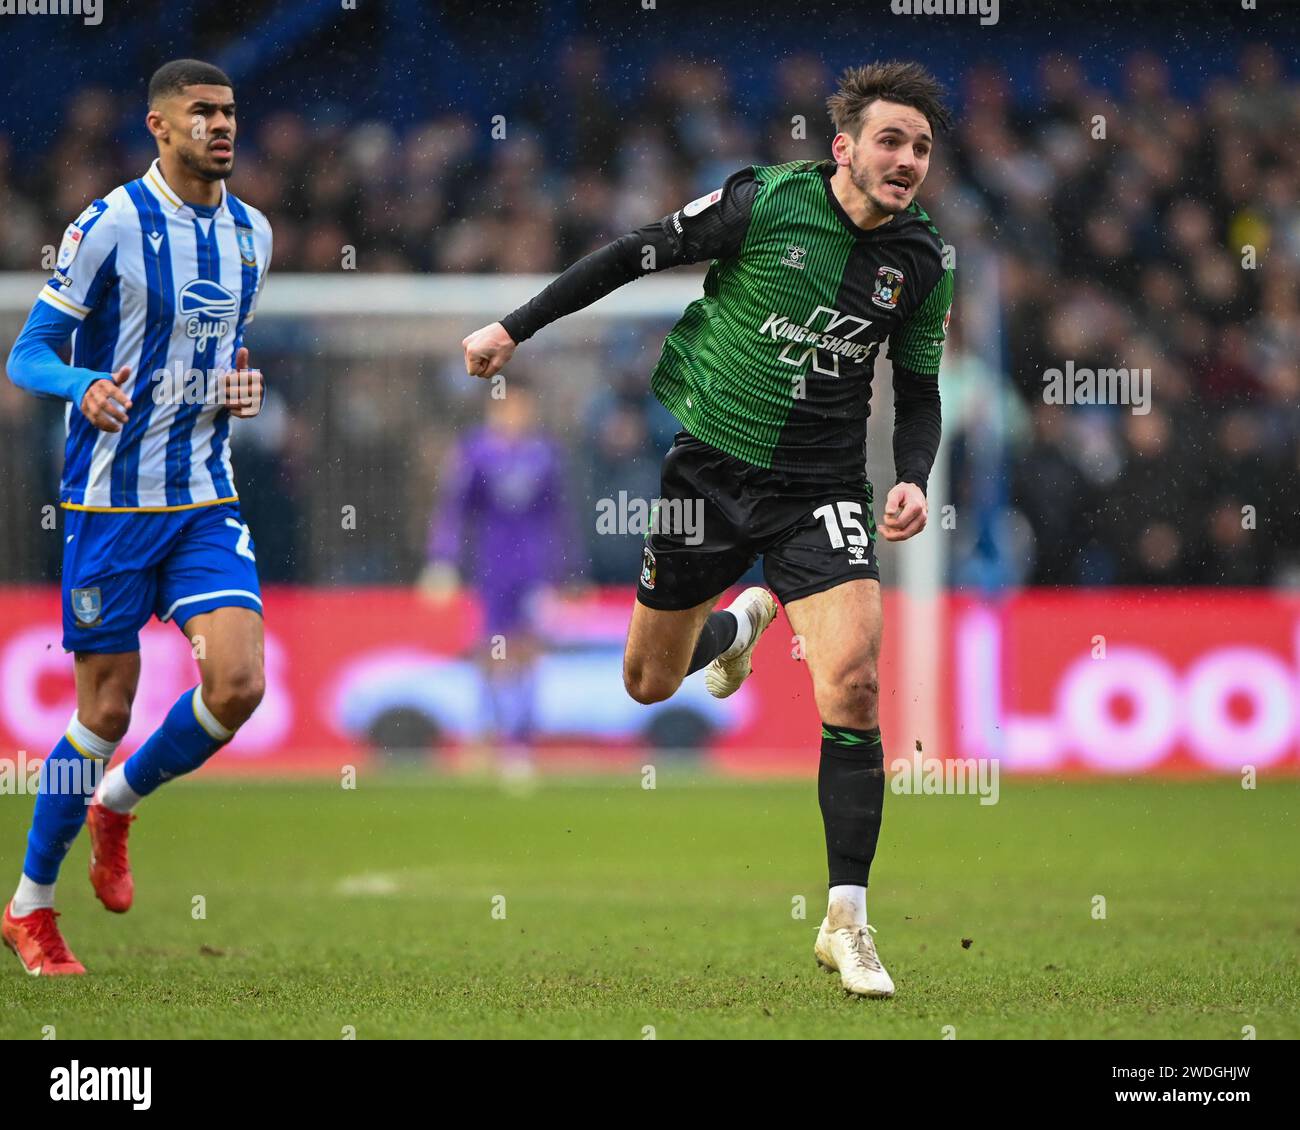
x,y
815,265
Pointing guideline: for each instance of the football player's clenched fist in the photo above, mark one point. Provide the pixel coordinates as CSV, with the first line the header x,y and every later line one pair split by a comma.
x,y
487,350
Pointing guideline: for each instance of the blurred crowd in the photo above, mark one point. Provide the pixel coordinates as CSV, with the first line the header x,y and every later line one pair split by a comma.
x,y
1115,228
1172,243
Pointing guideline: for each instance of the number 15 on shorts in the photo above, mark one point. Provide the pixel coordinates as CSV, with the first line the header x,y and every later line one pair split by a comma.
x,y
844,529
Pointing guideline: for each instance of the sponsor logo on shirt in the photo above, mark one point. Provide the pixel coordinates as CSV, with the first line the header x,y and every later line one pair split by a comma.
x,y
208,310
825,345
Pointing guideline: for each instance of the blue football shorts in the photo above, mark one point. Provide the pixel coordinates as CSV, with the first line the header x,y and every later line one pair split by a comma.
x,y
122,567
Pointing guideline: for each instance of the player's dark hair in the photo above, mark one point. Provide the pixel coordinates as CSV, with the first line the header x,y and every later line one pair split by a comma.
x,y
909,84
171,78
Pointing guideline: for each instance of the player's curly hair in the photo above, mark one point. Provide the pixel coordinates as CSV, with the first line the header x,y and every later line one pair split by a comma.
x,y
907,83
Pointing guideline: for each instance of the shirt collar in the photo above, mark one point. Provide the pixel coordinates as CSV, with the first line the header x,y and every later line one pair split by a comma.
x,y
166,196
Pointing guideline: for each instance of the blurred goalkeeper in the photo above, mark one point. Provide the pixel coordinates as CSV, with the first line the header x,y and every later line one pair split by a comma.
x,y
503,523
816,264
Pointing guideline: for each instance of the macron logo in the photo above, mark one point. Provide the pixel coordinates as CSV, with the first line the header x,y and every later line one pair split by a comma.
x,y
155,240
102,1084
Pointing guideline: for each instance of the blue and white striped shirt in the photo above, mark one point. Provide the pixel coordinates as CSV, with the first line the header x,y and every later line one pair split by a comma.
x,y
160,286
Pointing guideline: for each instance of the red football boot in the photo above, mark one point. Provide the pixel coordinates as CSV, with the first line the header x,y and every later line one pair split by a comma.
x,y
110,873
35,938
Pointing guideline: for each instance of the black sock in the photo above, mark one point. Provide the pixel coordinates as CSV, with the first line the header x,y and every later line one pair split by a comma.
x,y
718,634
851,790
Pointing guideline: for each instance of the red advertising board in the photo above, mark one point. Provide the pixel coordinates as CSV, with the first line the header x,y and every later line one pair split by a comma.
x,y
1069,681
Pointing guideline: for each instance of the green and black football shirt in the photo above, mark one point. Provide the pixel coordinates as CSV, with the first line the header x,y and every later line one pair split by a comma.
x,y
773,363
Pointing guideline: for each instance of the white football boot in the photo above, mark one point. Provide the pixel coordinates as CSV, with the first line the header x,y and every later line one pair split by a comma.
x,y
755,607
851,952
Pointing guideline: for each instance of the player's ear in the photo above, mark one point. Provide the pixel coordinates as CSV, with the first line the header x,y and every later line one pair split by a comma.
x,y
842,149
156,124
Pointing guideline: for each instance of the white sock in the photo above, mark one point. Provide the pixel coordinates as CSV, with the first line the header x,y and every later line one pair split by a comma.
x,y
115,794
744,633
847,906
31,896
208,720
89,744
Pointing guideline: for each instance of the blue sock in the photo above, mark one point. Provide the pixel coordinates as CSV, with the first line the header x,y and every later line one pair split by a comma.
x,y
69,777
495,704
189,735
518,725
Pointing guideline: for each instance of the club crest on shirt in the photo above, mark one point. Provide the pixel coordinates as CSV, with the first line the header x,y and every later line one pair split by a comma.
x,y
889,287
648,569
247,253
87,607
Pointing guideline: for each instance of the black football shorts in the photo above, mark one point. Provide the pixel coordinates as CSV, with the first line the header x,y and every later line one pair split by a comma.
x,y
716,514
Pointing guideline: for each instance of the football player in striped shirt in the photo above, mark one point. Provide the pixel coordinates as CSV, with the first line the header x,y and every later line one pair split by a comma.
x,y
156,285
816,264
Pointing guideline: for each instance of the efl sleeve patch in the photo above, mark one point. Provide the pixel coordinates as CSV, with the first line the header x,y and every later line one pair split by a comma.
x,y
69,247
695,207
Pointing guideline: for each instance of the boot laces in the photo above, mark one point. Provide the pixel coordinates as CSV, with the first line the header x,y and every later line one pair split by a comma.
x,y
45,929
862,947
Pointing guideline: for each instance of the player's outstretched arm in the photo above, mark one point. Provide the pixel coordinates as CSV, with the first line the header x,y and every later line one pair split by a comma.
x,y
712,227
592,277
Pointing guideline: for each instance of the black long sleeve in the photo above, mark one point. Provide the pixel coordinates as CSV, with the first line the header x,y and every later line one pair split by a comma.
x,y
918,424
712,227
590,278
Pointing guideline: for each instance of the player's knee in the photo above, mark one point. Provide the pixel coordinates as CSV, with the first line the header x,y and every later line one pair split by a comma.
x,y
234,695
854,693
648,686
108,717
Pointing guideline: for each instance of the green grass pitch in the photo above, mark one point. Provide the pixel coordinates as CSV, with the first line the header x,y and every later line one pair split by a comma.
x,y
671,912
